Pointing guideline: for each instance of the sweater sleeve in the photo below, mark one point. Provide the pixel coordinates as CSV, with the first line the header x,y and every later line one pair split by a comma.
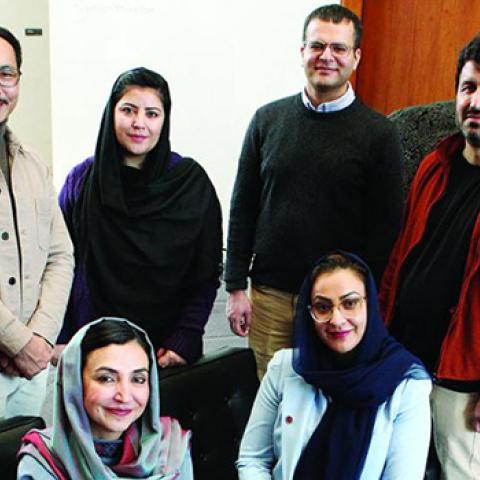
x,y
244,208
384,199
79,305
186,337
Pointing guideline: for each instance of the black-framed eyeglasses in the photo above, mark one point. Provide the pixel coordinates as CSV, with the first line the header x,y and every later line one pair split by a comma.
x,y
322,310
9,76
337,49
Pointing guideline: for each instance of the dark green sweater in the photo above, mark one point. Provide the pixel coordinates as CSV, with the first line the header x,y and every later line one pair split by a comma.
x,y
308,183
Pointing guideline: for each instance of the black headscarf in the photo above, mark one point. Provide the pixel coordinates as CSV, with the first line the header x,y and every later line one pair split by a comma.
x,y
377,366
145,236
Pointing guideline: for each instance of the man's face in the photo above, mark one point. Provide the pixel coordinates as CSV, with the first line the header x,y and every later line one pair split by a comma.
x,y
328,72
8,95
468,103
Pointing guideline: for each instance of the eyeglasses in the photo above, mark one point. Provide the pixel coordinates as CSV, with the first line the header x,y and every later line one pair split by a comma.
x,y
337,49
322,310
9,76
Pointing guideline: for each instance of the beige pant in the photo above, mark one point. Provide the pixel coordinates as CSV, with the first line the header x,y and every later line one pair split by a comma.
x,y
457,444
272,322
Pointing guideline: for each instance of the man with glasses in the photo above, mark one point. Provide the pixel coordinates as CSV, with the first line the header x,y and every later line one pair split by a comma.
x,y
318,171
430,293
36,261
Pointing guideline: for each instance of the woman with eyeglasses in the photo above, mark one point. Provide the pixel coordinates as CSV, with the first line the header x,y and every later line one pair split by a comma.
x,y
146,226
347,401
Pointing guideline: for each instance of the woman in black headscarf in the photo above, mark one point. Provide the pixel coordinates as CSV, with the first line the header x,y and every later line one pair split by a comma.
x,y
347,402
146,225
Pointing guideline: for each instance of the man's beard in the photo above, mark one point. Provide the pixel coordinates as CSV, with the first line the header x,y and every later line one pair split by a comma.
x,y
472,131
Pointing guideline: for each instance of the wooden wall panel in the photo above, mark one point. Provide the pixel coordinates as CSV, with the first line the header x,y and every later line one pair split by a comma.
x,y
410,48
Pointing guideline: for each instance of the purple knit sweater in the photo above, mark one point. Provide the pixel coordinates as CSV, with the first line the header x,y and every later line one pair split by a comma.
x,y
185,339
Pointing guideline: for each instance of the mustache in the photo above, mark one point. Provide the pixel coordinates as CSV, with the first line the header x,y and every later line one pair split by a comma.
x,y
471,111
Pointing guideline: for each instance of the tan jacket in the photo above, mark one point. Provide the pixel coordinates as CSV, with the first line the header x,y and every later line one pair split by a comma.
x,y
36,254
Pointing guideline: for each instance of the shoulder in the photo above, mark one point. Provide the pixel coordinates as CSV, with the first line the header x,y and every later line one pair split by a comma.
x,y
270,110
373,119
80,169
78,172
281,364
29,468
190,169
412,391
29,157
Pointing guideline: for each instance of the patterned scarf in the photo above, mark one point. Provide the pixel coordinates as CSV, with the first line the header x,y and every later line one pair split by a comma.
x,y
154,448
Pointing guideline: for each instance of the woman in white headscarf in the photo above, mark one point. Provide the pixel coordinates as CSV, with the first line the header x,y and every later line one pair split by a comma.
x,y
107,413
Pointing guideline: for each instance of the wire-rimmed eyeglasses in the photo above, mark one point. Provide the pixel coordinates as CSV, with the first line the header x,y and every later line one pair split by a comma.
x,y
322,310
9,76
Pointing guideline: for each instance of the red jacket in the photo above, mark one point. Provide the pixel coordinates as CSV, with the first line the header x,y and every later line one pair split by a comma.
x,y
460,354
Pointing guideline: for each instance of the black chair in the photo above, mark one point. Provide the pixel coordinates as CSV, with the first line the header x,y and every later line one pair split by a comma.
x,y
212,397
11,433
421,128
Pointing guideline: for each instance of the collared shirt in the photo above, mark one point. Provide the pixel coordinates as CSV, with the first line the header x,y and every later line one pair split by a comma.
x,y
335,105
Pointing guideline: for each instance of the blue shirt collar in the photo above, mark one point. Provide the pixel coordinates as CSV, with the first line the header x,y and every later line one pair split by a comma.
x,y
335,105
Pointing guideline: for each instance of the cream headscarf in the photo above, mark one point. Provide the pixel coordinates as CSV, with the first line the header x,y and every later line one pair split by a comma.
x,y
160,446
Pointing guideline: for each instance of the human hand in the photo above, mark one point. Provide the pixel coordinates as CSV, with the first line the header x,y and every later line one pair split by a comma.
x,y
7,365
168,358
57,351
33,357
476,416
239,312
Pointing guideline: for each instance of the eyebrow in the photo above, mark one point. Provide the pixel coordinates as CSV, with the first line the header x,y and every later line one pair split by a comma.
x,y
345,295
112,370
129,104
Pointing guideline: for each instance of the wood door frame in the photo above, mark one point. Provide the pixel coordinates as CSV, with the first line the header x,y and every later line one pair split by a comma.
x,y
356,6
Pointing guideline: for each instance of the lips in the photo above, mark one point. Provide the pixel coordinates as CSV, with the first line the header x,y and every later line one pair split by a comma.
x,y
137,138
325,69
339,335
119,412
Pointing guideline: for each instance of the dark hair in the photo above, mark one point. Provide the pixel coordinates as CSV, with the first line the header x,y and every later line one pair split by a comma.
x,y
336,14
337,261
110,331
13,41
142,77
470,52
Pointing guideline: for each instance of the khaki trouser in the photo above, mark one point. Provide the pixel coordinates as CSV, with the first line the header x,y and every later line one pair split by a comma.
x,y
272,323
457,444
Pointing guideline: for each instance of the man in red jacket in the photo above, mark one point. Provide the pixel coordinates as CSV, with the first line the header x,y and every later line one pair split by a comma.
x,y
430,292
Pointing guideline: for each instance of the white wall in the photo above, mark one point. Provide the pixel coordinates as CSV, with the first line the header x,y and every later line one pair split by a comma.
x,y
31,119
222,59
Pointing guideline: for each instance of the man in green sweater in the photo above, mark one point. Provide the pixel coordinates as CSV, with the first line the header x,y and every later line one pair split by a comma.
x,y
318,171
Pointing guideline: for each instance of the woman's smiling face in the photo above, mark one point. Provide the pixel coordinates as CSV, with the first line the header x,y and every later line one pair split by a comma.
x,y
342,291
116,388
138,117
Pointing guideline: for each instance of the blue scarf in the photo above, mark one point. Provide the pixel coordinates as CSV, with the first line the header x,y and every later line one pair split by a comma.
x,y
339,445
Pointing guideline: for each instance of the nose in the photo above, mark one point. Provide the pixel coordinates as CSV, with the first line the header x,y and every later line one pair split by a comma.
x,y
475,99
122,393
3,92
138,121
337,317
326,54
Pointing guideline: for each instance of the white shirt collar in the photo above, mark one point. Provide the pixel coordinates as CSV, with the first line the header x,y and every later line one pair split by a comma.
x,y
335,105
